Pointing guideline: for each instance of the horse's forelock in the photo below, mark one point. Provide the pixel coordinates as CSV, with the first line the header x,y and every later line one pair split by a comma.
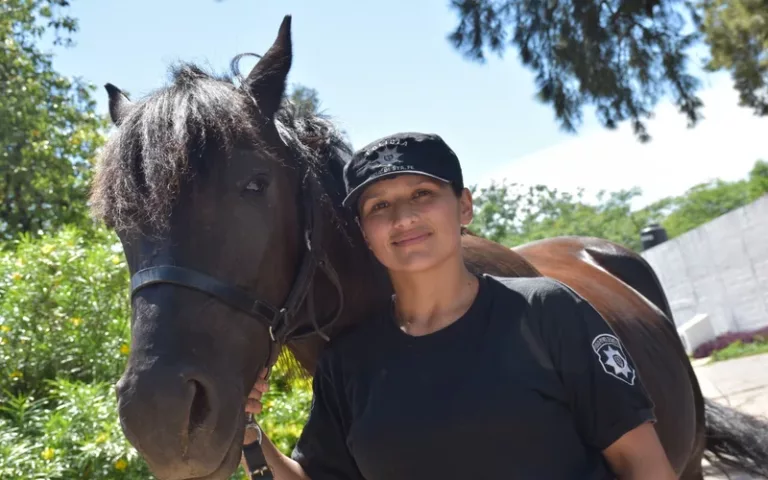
x,y
160,140
163,136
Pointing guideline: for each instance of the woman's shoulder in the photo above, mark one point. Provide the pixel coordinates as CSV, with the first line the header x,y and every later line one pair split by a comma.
x,y
533,289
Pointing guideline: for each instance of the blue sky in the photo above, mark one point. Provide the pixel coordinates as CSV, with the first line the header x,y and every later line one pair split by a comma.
x,y
382,67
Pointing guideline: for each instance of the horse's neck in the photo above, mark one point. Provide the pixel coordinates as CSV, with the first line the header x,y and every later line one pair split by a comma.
x,y
364,284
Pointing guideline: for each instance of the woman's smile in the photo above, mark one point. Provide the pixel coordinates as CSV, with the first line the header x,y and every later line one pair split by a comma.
x,y
410,238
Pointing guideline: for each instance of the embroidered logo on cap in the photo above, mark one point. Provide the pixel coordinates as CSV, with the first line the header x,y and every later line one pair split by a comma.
x,y
385,157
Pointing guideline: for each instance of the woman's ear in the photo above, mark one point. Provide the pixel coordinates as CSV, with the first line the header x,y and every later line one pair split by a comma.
x,y
465,207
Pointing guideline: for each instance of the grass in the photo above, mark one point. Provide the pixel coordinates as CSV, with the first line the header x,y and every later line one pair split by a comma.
x,y
739,349
733,345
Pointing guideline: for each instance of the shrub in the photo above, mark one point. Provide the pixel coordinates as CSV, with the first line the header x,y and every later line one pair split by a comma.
x,y
63,309
723,341
72,433
64,335
286,407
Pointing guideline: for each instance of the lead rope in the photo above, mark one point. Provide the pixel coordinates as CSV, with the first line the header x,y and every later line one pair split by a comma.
x,y
255,461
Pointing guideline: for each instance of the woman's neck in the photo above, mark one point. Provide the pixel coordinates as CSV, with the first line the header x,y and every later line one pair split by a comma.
x,y
431,300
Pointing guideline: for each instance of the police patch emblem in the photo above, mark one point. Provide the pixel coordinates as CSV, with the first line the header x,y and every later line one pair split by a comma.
x,y
611,356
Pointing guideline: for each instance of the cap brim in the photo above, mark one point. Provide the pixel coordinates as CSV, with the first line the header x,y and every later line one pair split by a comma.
x,y
355,193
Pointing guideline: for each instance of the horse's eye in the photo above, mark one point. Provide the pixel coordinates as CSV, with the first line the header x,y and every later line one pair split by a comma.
x,y
258,184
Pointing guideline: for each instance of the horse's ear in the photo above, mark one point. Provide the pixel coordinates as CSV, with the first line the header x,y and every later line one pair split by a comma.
x,y
119,104
267,80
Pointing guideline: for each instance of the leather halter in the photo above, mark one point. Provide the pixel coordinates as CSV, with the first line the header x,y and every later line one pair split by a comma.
x,y
281,322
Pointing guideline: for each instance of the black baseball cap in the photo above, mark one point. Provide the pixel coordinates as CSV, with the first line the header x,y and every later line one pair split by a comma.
x,y
398,154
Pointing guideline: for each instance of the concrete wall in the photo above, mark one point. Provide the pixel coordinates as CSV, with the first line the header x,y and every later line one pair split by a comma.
x,y
719,269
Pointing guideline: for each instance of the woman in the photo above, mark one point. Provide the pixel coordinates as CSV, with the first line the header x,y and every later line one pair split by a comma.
x,y
465,376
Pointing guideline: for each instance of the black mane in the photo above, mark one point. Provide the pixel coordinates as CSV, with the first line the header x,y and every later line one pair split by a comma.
x,y
165,136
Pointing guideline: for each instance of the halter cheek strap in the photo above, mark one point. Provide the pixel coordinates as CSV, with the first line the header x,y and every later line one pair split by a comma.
x,y
282,323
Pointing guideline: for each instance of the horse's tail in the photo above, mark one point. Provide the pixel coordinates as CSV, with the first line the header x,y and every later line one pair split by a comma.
x,y
735,439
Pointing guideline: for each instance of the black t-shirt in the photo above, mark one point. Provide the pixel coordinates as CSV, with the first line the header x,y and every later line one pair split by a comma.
x,y
530,383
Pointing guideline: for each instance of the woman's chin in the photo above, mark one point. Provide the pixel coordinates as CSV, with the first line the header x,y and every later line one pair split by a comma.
x,y
415,262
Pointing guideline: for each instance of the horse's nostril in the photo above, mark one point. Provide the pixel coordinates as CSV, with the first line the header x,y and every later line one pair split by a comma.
x,y
200,408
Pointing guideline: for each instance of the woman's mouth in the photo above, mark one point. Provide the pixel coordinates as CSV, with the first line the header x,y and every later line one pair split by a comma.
x,y
411,239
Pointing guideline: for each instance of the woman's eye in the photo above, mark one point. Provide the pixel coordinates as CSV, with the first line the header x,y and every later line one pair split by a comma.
x,y
257,185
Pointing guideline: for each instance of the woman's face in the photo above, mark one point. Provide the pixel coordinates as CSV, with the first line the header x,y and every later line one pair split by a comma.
x,y
413,222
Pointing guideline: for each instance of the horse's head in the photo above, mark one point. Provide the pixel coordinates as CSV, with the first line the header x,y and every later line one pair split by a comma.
x,y
213,194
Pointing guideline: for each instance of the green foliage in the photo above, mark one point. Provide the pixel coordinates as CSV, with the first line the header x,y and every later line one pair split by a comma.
x,y
286,407
64,333
63,309
71,433
707,201
621,56
737,34
513,215
740,349
49,130
306,99
758,180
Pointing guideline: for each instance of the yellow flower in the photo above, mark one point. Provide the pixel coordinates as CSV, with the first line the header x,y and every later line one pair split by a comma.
x,y
48,453
5,328
116,259
76,321
16,374
125,349
16,276
46,249
121,465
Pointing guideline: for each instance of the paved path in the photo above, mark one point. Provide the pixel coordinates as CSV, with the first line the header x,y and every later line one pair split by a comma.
x,y
741,383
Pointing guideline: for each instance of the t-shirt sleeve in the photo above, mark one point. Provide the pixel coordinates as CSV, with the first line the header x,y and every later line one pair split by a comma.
x,y
603,388
321,449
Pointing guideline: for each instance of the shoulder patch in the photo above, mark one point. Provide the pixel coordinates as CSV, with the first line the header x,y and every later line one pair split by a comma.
x,y
611,356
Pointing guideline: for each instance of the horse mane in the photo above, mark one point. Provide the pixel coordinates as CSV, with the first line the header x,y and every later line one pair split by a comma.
x,y
165,137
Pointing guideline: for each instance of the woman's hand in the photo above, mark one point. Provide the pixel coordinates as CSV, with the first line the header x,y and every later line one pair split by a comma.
x,y
282,466
253,405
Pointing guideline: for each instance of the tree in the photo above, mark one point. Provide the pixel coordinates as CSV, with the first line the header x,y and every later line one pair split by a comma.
x,y
621,56
305,98
758,180
49,130
737,35
514,215
707,201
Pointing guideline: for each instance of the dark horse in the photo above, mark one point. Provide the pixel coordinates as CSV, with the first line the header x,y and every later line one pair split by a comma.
x,y
227,203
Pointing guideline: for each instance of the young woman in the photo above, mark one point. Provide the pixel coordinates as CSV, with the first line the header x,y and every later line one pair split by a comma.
x,y
465,376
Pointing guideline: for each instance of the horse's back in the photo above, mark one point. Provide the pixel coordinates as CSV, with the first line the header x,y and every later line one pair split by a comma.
x,y
648,335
